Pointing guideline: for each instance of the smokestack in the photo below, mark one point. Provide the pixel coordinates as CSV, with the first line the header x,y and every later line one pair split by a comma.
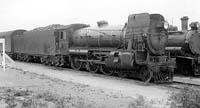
x,y
102,23
184,23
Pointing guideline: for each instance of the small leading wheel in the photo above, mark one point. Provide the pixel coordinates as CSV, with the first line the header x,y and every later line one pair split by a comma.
x,y
75,63
122,74
145,74
92,67
105,70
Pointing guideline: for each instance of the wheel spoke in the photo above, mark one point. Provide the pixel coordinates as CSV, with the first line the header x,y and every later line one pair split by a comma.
x,y
92,67
75,63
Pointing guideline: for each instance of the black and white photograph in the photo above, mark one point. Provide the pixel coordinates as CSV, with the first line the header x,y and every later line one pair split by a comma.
x,y
99,54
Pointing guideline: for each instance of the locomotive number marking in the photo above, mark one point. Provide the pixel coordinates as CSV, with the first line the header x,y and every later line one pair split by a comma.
x,y
78,51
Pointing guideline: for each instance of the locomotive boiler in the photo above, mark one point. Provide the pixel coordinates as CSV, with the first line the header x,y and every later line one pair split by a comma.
x,y
184,46
99,37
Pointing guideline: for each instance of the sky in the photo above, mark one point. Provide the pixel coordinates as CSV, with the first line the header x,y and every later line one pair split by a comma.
x,y
29,14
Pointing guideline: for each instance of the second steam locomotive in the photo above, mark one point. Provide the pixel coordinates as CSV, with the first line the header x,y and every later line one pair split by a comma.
x,y
184,46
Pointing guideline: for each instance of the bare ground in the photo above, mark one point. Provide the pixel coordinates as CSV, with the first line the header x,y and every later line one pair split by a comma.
x,y
28,89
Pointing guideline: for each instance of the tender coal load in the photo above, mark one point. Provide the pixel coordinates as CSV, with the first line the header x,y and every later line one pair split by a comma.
x,y
49,27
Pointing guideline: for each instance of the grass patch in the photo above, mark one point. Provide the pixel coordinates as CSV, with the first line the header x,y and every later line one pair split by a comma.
x,y
24,98
141,102
186,98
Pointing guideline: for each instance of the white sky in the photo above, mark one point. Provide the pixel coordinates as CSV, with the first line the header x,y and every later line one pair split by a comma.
x,y
28,14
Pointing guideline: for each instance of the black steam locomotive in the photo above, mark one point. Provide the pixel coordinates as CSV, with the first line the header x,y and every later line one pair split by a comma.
x,y
135,49
184,46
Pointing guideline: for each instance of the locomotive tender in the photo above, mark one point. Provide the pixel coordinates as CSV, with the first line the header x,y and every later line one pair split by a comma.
x,y
135,49
8,36
184,46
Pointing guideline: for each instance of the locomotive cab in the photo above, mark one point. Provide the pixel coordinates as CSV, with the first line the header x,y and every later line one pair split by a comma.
x,y
62,41
63,37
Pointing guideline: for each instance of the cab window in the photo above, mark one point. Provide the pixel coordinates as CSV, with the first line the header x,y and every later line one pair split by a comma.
x,y
63,35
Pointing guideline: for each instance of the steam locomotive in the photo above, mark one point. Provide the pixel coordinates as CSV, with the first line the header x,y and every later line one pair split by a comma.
x,y
184,46
135,49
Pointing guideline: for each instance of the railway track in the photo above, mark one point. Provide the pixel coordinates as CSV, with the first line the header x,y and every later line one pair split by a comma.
x,y
181,85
